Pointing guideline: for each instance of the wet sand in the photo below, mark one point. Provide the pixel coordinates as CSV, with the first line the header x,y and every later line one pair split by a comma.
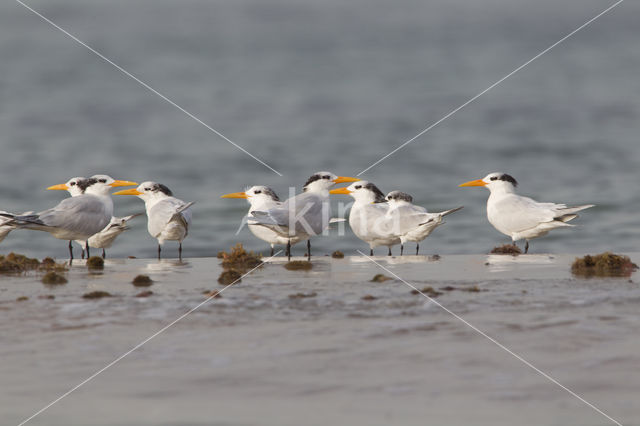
x,y
304,348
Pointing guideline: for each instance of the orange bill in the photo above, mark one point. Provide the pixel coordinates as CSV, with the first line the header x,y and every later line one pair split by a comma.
x,y
344,179
235,195
61,187
123,183
340,191
131,191
477,182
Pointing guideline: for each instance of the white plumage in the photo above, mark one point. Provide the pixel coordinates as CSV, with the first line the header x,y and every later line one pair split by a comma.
x,y
411,222
168,218
368,216
522,217
304,215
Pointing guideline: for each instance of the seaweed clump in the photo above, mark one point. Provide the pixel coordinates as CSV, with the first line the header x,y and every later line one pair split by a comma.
x,y
302,295
240,259
380,278
298,265
427,291
53,278
95,262
96,295
212,294
368,297
337,254
603,265
511,249
229,276
14,263
142,281
146,293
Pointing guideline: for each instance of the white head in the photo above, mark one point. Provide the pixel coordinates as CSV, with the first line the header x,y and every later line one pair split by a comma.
x,y
398,198
256,195
148,191
73,186
322,181
362,191
102,184
500,182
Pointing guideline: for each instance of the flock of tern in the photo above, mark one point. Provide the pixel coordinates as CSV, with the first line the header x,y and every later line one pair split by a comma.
x,y
393,219
87,215
377,219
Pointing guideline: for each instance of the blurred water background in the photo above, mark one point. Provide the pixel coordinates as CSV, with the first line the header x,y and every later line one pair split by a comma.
x,y
324,85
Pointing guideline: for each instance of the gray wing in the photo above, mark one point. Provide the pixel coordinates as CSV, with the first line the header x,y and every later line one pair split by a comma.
x,y
84,214
165,211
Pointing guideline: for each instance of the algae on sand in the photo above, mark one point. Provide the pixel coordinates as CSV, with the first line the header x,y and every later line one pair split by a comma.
x,y
511,249
53,278
603,265
142,281
298,265
239,259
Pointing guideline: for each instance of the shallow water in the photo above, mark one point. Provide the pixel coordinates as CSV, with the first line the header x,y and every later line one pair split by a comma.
x,y
309,85
261,354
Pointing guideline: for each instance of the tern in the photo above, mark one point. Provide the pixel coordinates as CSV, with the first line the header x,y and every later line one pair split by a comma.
x,y
304,215
522,217
168,218
411,222
263,198
105,238
77,217
368,217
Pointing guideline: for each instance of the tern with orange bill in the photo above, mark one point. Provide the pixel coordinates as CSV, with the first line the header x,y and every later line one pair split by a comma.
x,y
263,198
168,218
304,215
368,217
77,217
522,217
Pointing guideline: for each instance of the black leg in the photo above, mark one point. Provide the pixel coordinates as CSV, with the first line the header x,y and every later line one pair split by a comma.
x,y
104,254
401,249
82,253
370,252
180,251
272,252
308,249
389,254
159,250
70,251
86,246
289,250
417,248
526,247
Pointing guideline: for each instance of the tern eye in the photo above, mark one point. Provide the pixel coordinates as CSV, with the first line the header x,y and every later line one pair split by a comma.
x,y
358,186
147,189
257,192
493,178
326,177
72,183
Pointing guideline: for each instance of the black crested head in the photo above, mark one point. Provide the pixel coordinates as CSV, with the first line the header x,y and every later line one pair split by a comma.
x,y
399,195
376,191
508,178
271,193
158,187
83,184
312,179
